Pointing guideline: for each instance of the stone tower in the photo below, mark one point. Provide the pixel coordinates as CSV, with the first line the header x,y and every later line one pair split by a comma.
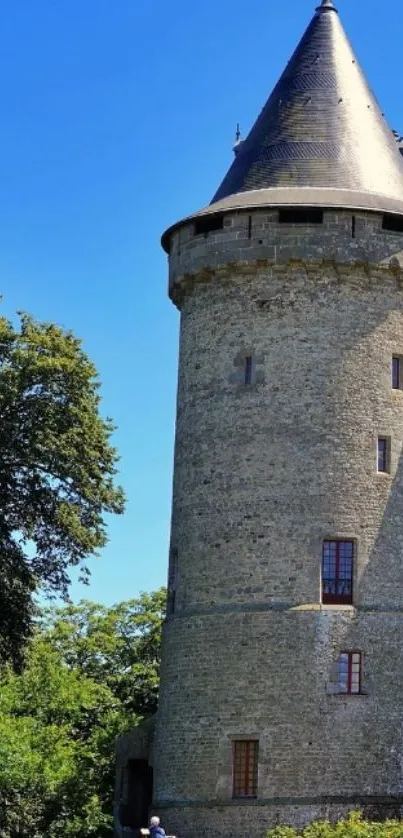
x,y
282,676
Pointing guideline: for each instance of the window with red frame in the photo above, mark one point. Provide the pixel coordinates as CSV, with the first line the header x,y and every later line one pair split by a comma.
x,y
337,572
245,776
350,670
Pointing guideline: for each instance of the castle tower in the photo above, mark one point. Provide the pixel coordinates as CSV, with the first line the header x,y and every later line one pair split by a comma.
x,y
282,676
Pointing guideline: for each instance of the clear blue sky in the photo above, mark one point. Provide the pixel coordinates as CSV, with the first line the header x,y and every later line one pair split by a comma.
x,y
117,118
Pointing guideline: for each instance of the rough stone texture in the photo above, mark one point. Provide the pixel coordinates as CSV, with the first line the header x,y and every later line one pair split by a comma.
x,y
135,744
254,819
263,474
280,243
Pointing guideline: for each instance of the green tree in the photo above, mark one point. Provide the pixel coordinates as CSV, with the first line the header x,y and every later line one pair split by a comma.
x,y
60,717
56,731
118,646
57,469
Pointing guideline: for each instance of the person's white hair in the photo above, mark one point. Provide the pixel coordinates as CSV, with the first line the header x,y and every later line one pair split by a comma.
x,y
154,821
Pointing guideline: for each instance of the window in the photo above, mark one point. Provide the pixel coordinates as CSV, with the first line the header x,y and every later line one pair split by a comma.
x,y
396,377
245,768
172,578
383,454
208,223
300,216
171,596
393,223
248,369
337,572
350,669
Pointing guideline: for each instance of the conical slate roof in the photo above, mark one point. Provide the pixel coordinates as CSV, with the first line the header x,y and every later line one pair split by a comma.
x,y
320,140
322,126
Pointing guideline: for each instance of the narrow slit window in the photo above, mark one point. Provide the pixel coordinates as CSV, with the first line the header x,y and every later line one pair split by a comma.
x,y
248,372
245,768
337,572
396,372
383,454
171,596
250,227
350,673
353,226
172,578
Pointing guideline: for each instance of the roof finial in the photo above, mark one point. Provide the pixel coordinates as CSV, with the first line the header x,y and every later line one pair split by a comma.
x,y
238,140
326,6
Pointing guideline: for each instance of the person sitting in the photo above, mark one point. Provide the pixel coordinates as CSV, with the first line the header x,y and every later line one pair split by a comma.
x,y
156,831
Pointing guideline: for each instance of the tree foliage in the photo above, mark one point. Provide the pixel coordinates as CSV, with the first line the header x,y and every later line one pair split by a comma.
x,y
57,469
352,827
117,646
60,717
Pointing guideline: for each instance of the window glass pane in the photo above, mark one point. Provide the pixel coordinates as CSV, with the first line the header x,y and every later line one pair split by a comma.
x,y
245,768
396,373
350,672
248,370
382,454
343,672
337,571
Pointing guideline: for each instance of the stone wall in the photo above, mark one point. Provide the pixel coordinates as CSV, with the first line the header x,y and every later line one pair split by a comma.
x,y
255,819
134,744
257,236
264,473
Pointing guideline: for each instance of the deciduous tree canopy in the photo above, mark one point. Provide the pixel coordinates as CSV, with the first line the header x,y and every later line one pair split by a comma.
x,y
117,646
91,672
57,469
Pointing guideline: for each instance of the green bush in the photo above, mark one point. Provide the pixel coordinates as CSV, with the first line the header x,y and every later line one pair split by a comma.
x,y
352,827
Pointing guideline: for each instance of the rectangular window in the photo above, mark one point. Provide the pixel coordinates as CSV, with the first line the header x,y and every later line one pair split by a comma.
x,y
394,223
383,454
208,223
337,572
248,369
300,216
350,673
396,377
245,768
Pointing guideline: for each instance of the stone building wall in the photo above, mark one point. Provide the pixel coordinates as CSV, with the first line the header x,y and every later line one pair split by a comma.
x,y
344,236
264,473
134,748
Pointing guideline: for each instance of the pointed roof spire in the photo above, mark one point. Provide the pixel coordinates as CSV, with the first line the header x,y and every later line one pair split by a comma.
x,y
321,139
321,128
326,6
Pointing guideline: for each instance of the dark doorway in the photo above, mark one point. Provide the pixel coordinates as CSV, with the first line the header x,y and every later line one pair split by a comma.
x,y
138,797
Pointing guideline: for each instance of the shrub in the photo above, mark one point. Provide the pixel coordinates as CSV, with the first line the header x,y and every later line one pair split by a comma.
x,y
352,827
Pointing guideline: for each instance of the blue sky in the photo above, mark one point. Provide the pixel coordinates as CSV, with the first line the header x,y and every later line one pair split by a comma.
x,y
118,118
